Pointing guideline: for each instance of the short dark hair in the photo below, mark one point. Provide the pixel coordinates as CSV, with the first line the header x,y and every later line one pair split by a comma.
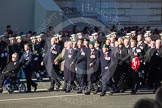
x,y
147,103
158,95
8,26
50,27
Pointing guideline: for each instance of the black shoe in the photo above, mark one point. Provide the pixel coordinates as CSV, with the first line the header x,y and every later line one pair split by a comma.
x,y
58,84
67,91
35,88
111,93
87,93
51,89
102,94
28,91
122,91
65,87
68,88
1,90
79,91
40,79
133,93
117,91
96,90
154,91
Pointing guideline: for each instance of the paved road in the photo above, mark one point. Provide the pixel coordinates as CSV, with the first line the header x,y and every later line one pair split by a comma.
x,y
59,99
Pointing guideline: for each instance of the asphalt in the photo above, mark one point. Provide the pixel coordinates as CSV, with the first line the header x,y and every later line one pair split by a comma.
x,y
59,99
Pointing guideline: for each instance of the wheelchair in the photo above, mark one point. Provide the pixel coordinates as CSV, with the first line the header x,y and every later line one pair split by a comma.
x,y
13,83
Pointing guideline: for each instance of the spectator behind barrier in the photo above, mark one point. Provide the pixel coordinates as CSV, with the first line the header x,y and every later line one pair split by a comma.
x,y
147,103
158,95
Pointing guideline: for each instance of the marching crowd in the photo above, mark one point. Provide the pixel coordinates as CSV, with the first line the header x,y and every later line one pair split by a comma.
x,y
92,60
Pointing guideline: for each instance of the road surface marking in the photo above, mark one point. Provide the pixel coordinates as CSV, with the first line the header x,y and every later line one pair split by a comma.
x,y
45,97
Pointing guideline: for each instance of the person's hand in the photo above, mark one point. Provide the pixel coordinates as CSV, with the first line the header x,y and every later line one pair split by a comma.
x,y
4,72
23,66
106,68
91,64
56,63
120,63
144,63
71,64
42,63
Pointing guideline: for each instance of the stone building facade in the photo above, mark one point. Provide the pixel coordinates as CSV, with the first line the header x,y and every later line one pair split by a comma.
x,y
37,15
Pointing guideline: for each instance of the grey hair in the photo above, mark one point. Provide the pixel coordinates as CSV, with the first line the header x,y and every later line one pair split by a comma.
x,y
15,54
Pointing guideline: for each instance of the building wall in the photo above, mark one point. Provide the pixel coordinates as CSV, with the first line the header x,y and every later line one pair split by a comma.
x,y
47,13
18,13
133,11
142,12
25,15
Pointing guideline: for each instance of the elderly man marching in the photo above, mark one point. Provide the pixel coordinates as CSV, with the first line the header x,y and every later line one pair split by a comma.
x,y
107,60
81,65
69,55
52,52
92,66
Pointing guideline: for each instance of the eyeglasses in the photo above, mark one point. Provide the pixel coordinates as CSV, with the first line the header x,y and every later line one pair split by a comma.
x,y
14,57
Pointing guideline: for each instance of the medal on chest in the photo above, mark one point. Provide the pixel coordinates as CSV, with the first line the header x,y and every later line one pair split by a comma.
x,y
82,52
92,54
69,54
106,56
54,51
27,56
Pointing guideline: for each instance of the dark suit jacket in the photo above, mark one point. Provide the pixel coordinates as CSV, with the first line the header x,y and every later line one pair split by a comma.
x,y
122,53
131,55
155,59
105,61
143,47
69,56
92,57
26,61
12,67
81,59
51,54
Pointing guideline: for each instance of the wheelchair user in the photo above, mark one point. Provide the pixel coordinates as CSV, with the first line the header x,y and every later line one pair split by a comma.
x,y
10,70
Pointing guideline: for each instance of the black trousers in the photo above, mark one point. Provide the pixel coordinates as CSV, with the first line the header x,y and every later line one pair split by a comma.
x,y
3,76
155,77
80,76
28,75
134,78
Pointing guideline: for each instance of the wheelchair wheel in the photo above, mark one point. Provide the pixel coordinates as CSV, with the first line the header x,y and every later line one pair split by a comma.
x,y
22,88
